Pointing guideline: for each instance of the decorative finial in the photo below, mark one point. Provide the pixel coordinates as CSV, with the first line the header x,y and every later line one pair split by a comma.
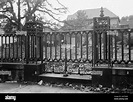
x,y
101,15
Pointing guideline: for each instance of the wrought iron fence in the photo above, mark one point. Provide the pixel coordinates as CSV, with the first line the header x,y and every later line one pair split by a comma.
x,y
122,47
71,51
68,51
73,46
115,47
12,47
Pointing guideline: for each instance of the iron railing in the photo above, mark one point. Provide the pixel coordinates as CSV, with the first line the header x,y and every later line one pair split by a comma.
x,y
72,50
12,47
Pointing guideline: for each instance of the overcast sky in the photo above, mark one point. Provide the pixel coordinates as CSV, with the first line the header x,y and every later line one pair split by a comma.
x,y
119,7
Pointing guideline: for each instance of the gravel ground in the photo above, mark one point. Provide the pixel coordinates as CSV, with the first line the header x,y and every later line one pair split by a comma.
x,y
42,87
35,88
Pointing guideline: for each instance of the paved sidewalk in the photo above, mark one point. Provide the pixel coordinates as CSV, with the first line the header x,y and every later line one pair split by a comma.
x,y
17,88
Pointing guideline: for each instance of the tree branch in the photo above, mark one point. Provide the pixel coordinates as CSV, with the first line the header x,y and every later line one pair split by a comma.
x,y
35,7
11,11
50,11
61,4
29,8
51,15
58,9
49,3
56,18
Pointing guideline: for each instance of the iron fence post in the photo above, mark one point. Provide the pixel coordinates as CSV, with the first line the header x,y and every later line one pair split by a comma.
x,y
41,48
27,49
95,49
65,70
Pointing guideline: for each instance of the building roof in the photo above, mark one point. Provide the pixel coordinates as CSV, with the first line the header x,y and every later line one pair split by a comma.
x,y
91,13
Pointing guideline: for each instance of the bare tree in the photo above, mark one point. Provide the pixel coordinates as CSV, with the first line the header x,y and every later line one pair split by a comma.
x,y
41,9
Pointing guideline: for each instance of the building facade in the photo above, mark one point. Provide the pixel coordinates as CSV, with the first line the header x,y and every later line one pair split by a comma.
x,y
91,13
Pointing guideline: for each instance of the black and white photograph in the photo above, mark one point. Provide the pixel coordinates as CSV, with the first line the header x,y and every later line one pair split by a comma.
x,y
82,47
